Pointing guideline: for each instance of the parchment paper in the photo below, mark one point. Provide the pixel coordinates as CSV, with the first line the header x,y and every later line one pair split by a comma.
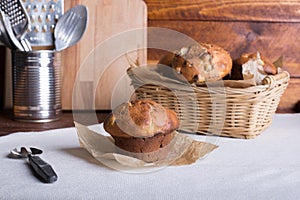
x,y
184,150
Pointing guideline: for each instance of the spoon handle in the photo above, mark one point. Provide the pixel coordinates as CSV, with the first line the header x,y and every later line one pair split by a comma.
x,y
43,169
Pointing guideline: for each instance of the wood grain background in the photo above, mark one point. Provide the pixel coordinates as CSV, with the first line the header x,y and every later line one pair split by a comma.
x,y
107,18
271,27
239,26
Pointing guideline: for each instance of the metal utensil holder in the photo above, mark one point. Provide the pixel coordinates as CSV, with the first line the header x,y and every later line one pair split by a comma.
x,y
36,85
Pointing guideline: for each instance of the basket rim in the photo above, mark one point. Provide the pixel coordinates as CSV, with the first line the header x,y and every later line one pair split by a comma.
x,y
282,78
269,82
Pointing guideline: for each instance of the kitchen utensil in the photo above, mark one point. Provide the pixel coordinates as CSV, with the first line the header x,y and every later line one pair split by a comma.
x,y
40,167
25,44
7,26
43,15
70,27
19,20
4,38
18,154
18,17
20,33
35,150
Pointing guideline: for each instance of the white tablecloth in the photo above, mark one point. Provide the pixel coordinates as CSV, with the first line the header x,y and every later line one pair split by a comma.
x,y
267,167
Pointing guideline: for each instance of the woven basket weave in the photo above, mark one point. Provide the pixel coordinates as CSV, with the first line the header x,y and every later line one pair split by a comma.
x,y
225,111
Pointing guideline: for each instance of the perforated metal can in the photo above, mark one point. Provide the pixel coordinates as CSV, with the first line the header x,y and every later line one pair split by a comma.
x,y
36,85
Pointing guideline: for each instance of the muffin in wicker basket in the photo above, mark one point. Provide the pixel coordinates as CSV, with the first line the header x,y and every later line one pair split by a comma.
x,y
199,63
220,98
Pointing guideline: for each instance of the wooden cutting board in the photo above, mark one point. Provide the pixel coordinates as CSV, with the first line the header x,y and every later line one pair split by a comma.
x,y
100,85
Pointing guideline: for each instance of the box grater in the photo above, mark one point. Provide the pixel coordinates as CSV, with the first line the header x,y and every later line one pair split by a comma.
x,y
18,17
43,16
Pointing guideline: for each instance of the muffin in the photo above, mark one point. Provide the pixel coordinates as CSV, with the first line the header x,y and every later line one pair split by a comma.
x,y
142,129
268,67
252,64
199,63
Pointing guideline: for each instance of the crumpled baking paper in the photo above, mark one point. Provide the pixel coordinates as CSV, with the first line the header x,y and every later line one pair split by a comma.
x,y
184,150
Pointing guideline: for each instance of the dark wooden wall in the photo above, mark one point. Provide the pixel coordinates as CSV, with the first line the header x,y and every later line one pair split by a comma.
x,y
271,27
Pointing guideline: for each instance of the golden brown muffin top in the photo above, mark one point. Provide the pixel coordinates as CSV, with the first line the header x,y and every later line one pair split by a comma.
x,y
200,63
268,66
140,118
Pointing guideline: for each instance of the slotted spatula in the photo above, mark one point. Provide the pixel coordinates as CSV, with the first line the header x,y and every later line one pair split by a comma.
x,y
70,27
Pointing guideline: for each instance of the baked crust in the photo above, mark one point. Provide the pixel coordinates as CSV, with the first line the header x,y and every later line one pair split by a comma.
x,y
140,118
200,63
268,66
142,129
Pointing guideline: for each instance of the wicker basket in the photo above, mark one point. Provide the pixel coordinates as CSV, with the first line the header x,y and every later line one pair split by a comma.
x,y
225,111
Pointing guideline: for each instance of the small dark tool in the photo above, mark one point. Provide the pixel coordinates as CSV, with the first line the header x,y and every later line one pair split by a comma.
x,y
40,167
